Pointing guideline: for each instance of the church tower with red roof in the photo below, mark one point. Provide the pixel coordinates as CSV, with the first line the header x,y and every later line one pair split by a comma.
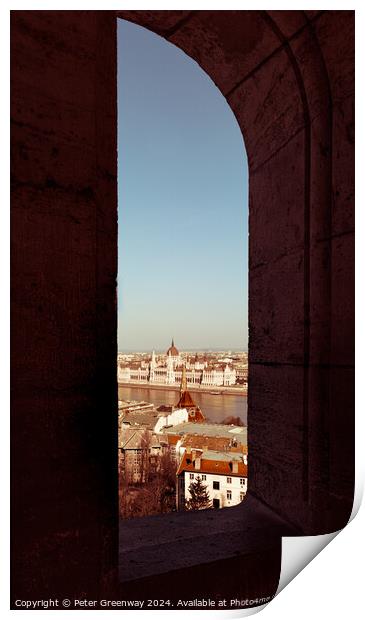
x,y
186,401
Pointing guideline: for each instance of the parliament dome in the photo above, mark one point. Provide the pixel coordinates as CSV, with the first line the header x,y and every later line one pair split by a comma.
x,y
172,350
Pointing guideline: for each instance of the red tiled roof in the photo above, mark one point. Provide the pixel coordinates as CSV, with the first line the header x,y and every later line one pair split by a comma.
x,y
208,466
196,415
185,400
173,439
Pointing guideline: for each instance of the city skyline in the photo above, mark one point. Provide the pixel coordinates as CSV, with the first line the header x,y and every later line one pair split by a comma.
x,y
184,350
182,195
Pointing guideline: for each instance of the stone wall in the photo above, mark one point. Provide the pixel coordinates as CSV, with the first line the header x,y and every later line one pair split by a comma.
x,y
289,78
64,267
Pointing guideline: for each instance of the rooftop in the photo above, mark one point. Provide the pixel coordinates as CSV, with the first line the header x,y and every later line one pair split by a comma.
x,y
143,417
216,455
172,350
132,439
219,444
209,430
212,462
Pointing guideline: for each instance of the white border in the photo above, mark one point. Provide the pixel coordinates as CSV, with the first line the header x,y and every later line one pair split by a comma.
x,y
331,585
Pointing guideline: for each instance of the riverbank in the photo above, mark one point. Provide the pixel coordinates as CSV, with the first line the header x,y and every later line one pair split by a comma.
x,y
215,408
206,389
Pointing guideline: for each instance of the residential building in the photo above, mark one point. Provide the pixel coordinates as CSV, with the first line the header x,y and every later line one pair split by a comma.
x,y
152,418
223,474
140,451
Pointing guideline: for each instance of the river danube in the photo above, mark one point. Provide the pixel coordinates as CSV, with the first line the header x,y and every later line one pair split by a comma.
x,y
215,407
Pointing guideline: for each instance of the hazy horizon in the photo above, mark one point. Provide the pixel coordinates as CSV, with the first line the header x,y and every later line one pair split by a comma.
x,y
190,350
182,203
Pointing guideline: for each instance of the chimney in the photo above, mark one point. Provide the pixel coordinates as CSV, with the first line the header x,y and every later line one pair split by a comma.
x,y
245,459
197,463
235,467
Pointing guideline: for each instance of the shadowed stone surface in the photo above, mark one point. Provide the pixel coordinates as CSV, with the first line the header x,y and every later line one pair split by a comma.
x,y
158,544
64,226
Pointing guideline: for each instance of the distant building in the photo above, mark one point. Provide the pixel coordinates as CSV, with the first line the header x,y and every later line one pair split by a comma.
x,y
223,474
204,442
229,431
203,436
140,451
177,416
168,369
151,418
186,401
174,354
133,413
129,406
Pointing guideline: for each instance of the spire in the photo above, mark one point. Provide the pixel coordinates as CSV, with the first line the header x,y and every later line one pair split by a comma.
x,y
186,402
173,350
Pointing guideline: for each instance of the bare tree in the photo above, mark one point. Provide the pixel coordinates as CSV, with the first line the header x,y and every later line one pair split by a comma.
x,y
153,496
145,456
165,483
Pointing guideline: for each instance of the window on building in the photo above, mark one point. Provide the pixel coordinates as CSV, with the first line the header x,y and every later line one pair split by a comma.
x,y
216,485
229,494
229,480
242,497
191,476
204,477
242,481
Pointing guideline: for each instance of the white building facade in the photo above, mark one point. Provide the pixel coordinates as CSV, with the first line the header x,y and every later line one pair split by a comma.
x,y
178,416
167,370
223,474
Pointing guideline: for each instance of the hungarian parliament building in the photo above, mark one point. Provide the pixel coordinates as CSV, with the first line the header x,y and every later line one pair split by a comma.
x,y
168,370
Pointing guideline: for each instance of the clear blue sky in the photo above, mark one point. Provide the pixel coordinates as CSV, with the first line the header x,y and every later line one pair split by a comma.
x,y
182,193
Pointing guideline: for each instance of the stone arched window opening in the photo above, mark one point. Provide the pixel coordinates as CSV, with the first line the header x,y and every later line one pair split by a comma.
x,y
271,68
186,221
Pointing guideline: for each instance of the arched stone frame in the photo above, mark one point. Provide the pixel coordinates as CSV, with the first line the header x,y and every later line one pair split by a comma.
x,y
288,76
270,67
